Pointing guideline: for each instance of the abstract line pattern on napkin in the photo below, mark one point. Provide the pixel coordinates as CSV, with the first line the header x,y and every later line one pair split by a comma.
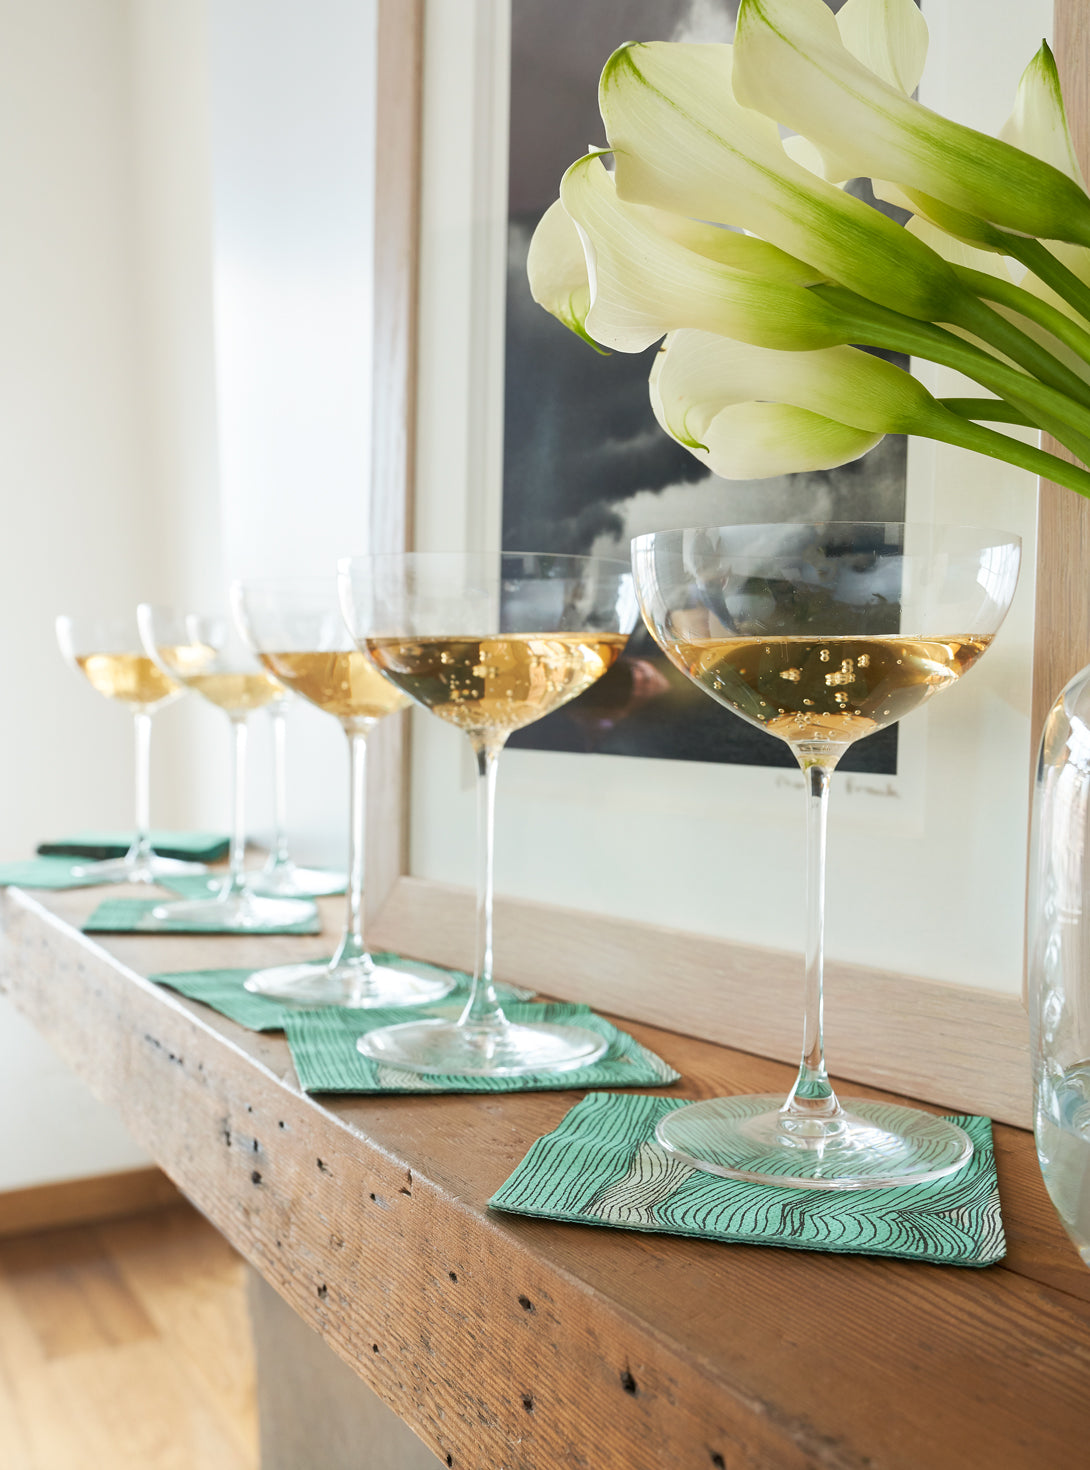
x,y
323,1048
603,1166
225,991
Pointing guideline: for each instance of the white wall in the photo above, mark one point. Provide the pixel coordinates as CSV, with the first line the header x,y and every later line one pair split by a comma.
x,y
168,159
293,171
73,481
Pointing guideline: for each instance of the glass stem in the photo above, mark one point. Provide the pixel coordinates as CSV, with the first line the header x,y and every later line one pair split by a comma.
x,y
280,856
235,879
140,851
482,1008
812,1095
352,946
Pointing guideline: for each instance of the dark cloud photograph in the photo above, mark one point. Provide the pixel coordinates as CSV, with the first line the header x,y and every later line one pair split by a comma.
x,y
586,467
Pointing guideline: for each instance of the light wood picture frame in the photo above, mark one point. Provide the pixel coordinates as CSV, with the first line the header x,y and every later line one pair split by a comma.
x,y
956,1046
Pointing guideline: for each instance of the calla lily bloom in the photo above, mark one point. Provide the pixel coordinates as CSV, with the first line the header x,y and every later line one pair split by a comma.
x,y
643,283
889,37
1038,123
683,143
747,412
791,64
557,271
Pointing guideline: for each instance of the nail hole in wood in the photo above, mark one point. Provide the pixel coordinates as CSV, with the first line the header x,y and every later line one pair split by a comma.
x,y
718,1461
257,1146
628,1383
374,1347
281,1124
325,1169
528,1403
255,1177
526,1304
323,1291
453,1275
450,1459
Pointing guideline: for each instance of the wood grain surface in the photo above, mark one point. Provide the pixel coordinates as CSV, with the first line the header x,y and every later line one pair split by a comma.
x,y
398,104
81,1201
515,1343
1061,644
125,1345
964,1048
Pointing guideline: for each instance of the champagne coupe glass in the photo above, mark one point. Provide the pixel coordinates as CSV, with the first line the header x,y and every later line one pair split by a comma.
x,y
821,634
281,877
488,644
295,627
107,651
207,655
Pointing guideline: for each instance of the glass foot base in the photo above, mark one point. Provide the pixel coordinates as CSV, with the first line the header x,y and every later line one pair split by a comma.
x,y
866,1145
507,1050
148,870
357,983
241,911
287,881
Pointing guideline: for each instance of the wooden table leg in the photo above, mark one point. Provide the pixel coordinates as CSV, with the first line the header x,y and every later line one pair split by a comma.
x,y
313,1410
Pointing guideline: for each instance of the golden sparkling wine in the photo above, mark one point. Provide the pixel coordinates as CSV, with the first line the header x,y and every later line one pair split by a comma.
x,y
236,692
491,686
825,691
131,677
346,684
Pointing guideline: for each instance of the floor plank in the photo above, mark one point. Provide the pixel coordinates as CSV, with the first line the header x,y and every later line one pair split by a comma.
x,y
126,1344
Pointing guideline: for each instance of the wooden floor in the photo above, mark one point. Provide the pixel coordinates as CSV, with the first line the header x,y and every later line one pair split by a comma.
x,y
125,1344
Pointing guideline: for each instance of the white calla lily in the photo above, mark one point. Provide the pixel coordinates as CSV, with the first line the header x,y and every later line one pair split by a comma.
x,y
644,283
842,383
1038,123
889,37
791,64
683,143
722,401
557,271
751,441
800,150
956,251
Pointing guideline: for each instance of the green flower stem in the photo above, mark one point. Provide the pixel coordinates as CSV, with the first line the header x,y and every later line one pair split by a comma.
x,y
950,428
1044,265
876,326
984,322
991,410
1006,293
1078,444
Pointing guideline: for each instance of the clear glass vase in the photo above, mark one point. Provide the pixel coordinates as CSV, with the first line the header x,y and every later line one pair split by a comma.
x,y
1059,958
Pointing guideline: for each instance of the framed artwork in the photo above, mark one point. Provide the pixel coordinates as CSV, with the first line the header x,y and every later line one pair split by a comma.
x,y
635,943
585,466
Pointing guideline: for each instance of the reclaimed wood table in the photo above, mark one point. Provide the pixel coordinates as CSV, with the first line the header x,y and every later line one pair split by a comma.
x,y
528,1345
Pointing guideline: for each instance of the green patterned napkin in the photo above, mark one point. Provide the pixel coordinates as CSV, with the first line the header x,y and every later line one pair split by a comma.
x,y
133,916
225,991
194,847
602,1166
323,1048
58,872
45,872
